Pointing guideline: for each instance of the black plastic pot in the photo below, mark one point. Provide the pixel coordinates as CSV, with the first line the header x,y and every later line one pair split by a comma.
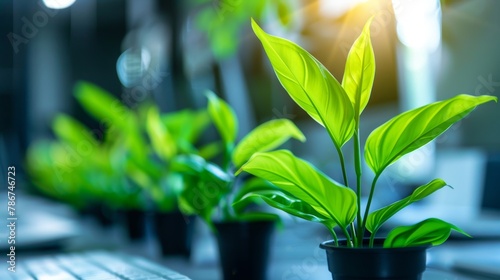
x,y
375,263
103,214
135,222
244,249
174,232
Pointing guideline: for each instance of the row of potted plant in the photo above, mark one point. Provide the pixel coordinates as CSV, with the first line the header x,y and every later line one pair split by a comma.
x,y
179,177
124,164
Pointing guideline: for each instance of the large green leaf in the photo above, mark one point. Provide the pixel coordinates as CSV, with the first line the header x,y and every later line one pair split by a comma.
x,y
428,232
415,128
286,203
223,117
253,184
360,71
300,179
377,218
161,140
310,85
265,137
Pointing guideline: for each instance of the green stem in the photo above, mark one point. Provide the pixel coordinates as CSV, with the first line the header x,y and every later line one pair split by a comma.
x,y
372,237
353,230
226,160
342,164
348,237
357,167
370,197
226,165
334,235
346,183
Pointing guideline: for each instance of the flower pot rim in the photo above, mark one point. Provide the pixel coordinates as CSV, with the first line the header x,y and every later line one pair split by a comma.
x,y
329,245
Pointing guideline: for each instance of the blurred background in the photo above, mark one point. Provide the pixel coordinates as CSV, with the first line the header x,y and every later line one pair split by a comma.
x,y
168,53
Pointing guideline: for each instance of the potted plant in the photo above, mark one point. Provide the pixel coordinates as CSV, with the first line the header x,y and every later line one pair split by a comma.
x,y
151,140
243,236
306,192
86,173
174,134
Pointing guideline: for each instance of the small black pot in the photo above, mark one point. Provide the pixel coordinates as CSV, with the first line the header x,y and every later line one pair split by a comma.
x,y
174,232
244,249
375,263
103,214
135,222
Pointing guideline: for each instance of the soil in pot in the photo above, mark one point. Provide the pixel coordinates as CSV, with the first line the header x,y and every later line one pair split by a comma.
x,y
244,249
174,232
375,263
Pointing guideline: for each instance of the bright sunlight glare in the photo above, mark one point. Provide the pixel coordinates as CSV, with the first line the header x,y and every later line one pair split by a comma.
x,y
418,23
58,4
338,7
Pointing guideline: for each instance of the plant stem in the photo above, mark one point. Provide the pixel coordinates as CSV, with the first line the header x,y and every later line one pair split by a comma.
x,y
370,197
346,183
348,237
353,230
334,235
226,160
357,167
372,238
342,164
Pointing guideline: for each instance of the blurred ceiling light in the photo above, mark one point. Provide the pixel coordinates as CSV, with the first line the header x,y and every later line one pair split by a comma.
x,y
338,7
418,23
58,4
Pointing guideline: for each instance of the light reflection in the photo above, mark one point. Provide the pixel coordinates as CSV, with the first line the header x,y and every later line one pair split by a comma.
x,y
418,23
58,4
338,7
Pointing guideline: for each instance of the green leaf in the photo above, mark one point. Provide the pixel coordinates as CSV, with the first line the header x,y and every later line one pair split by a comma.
x,y
161,140
223,117
377,218
205,185
210,150
252,185
166,192
360,71
285,202
300,179
265,137
202,194
310,85
186,125
428,232
284,12
102,105
415,128
72,131
258,216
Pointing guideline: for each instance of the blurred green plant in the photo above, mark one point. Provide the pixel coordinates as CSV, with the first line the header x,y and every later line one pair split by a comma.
x,y
152,141
211,187
78,169
223,20
129,163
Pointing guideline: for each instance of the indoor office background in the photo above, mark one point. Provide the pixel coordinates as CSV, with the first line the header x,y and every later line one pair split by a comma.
x,y
170,52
